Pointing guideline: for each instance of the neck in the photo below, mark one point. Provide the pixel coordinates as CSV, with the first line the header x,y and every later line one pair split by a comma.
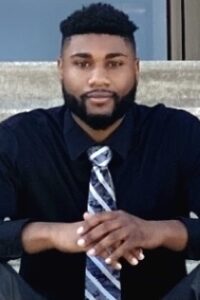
x,y
97,135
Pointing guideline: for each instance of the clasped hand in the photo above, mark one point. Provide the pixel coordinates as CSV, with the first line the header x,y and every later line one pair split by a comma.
x,y
117,234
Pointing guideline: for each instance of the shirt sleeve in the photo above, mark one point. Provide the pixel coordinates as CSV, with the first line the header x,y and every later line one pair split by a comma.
x,y
10,231
190,171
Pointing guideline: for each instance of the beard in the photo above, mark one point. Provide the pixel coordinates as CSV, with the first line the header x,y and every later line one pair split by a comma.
x,y
77,106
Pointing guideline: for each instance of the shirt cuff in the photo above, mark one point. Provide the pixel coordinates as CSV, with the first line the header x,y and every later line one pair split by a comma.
x,y
10,239
192,250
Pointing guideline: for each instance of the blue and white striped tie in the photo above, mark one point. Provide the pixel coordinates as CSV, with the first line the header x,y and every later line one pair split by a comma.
x,y
102,281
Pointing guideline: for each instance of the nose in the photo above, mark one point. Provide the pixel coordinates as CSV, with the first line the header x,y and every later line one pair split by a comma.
x,y
98,78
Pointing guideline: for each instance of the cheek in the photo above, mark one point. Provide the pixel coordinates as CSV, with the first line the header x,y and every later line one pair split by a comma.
x,y
125,83
73,83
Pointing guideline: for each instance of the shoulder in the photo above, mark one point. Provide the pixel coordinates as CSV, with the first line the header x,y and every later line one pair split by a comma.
x,y
166,117
33,120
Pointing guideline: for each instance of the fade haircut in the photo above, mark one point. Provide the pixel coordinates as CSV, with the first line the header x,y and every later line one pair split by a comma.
x,y
100,18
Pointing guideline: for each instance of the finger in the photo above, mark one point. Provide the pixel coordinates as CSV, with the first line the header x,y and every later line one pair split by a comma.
x,y
114,264
96,234
92,220
113,238
134,257
105,254
104,215
138,253
121,251
87,215
141,255
99,217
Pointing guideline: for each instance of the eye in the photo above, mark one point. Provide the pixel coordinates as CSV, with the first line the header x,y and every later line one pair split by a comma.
x,y
82,64
114,64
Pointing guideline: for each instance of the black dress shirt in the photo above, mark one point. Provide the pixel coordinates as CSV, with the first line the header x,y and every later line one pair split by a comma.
x,y
44,176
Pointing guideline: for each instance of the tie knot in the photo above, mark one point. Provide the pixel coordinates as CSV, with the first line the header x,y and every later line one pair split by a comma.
x,y
100,155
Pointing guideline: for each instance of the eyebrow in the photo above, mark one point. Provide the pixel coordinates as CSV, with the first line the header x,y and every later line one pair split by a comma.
x,y
88,55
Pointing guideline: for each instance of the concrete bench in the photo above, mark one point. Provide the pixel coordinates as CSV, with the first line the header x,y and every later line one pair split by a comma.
x,y
25,86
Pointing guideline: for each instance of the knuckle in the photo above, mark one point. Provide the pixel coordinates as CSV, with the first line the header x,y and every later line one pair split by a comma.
x,y
85,228
121,215
99,249
88,223
114,236
108,215
104,227
94,220
120,212
88,238
105,243
111,238
104,254
116,255
91,237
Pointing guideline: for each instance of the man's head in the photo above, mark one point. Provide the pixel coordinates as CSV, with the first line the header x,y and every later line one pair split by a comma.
x,y
98,64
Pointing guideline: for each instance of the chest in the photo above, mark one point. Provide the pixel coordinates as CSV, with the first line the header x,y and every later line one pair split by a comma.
x,y
147,183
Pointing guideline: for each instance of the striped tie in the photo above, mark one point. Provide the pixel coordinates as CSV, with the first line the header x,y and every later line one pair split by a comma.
x,y
102,281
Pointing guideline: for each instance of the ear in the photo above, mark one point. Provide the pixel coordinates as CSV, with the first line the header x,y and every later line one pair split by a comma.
x,y
60,68
137,68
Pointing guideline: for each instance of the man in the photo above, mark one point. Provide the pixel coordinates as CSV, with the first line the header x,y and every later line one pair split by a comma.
x,y
137,234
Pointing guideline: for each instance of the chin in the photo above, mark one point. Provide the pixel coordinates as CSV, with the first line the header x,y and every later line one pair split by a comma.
x,y
98,114
99,111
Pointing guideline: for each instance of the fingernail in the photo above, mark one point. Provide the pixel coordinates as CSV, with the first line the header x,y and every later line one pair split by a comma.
x,y
81,242
80,230
87,215
91,252
134,261
118,266
108,260
141,256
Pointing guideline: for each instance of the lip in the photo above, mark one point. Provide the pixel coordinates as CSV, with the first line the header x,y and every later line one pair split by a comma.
x,y
99,100
99,94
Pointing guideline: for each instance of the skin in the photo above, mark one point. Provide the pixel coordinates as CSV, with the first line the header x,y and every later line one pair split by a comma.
x,y
104,62
95,62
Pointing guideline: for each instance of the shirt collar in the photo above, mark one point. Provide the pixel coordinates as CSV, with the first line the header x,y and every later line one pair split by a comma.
x,y
78,142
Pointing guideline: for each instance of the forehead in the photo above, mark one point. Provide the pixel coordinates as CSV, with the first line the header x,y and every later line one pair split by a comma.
x,y
97,44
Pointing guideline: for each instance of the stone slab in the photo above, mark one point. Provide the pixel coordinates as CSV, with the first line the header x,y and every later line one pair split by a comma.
x,y
36,84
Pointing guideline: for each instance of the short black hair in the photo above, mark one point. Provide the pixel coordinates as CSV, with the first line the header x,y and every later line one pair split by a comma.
x,y
99,18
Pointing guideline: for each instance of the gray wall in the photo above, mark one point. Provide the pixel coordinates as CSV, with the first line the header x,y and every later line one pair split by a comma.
x,y
184,29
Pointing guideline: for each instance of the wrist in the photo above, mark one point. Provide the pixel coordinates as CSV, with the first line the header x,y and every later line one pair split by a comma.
x,y
36,237
175,235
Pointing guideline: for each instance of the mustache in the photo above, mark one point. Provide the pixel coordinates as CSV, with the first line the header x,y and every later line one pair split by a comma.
x,y
99,93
